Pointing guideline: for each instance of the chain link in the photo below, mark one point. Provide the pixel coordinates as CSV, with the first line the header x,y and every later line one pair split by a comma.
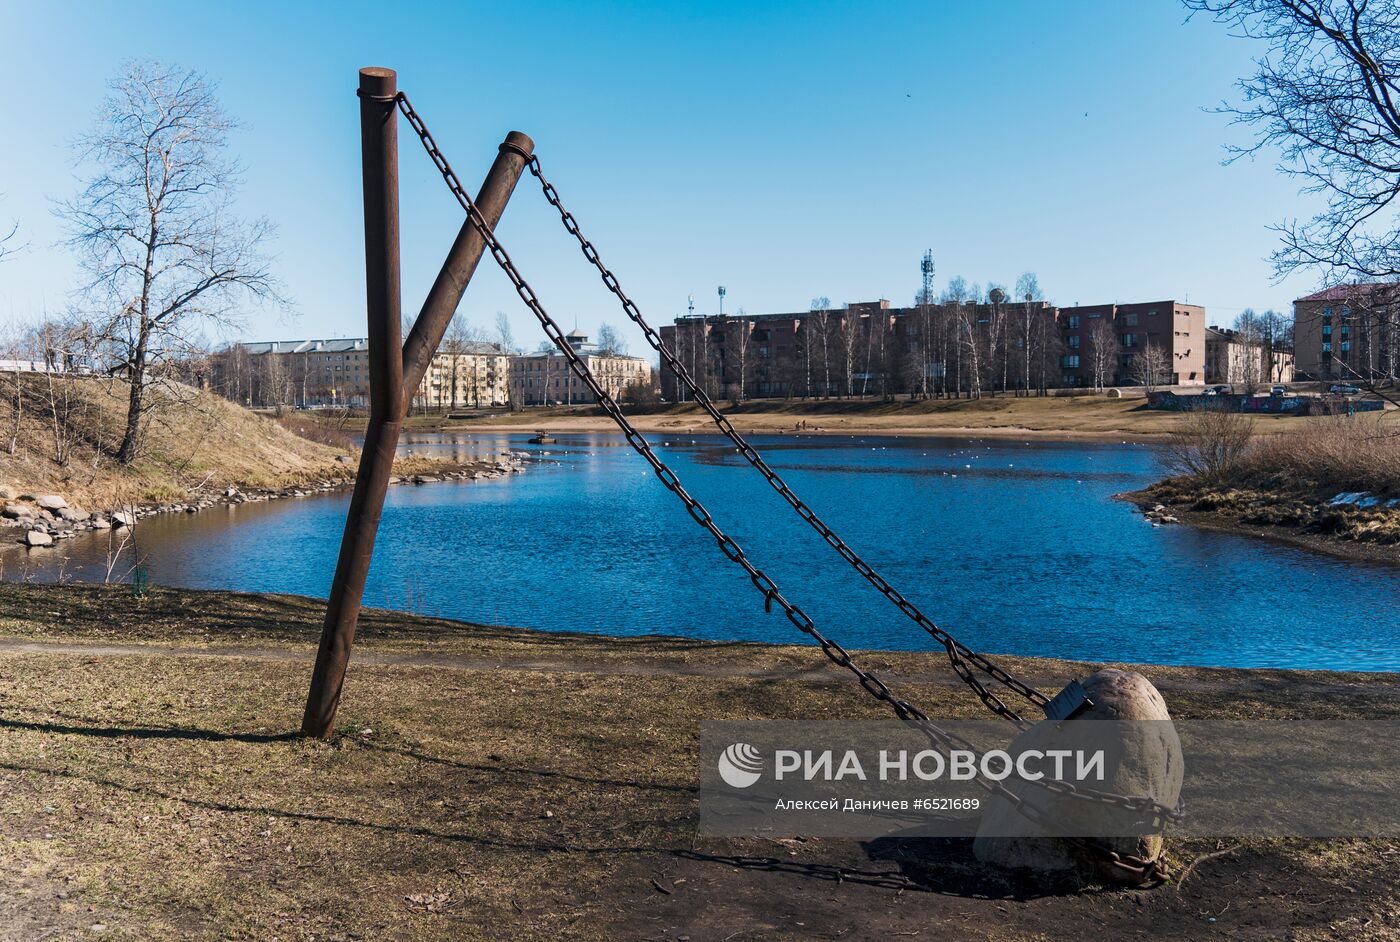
x,y
958,653
1150,813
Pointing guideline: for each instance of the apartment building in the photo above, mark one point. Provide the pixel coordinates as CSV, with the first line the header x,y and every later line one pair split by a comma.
x,y
544,377
1349,333
871,348
1239,361
336,373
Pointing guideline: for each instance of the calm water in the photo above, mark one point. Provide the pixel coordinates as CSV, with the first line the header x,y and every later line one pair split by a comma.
x,y
1016,547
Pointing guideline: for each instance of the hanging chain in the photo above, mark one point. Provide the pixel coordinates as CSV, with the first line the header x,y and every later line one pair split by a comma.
x,y
1151,814
958,653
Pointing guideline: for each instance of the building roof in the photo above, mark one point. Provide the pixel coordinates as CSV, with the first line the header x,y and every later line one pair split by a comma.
x,y
1343,292
350,345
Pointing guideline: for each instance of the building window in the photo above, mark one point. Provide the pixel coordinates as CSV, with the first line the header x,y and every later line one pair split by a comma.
x,y
1069,362
1326,347
1072,341
1326,330
1073,321
1327,313
1129,320
1130,340
1346,345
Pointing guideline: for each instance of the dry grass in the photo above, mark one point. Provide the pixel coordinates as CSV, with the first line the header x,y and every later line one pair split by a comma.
x,y
491,784
1335,453
193,441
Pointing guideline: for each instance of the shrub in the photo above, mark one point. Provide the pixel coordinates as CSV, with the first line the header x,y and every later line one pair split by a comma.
x,y
1209,445
1341,453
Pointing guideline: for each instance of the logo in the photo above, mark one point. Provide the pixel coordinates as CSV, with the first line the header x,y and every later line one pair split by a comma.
x,y
740,765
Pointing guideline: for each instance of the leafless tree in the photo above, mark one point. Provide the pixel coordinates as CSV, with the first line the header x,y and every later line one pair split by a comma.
x,y
821,320
848,328
154,229
504,335
1150,366
1326,95
1103,351
1027,293
1251,368
610,343
738,334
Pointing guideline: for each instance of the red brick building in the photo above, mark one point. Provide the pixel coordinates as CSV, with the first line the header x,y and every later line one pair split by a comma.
x,y
870,348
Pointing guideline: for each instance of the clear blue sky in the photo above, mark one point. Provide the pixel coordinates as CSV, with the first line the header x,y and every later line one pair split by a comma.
x,y
784,150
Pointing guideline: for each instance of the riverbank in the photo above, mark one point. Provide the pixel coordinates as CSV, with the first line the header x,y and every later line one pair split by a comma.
x,y
58,477
1332,488
1052,418
490,782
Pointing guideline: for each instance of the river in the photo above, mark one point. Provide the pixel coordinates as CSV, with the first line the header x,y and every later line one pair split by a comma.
x,y
1016,547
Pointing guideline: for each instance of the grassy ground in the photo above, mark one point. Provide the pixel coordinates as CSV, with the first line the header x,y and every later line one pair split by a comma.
x,y
1071,417
195,444
192,439
490,783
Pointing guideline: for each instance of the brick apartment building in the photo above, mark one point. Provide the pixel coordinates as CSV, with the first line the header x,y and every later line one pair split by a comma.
x,y
870,348
1349,333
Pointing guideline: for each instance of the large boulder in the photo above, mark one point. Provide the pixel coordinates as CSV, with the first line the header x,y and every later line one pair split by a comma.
x,y
123,518
16,511
1143,758
38,538
51,502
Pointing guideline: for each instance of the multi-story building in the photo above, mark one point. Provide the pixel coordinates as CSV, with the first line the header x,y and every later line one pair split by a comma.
x,y
871,348
336,372
1239,361
544,377
1349,332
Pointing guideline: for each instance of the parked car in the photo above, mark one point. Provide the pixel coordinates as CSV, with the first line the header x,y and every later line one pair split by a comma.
x,y
1343,389
1278,391
1224,389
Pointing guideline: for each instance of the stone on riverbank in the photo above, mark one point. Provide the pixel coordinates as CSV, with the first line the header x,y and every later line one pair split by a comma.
x,y
37,538
51,502
123,518
1145,759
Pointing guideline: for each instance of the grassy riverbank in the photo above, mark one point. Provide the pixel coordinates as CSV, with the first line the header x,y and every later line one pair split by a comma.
x,y
195,445
494,783
1332,486
1068,418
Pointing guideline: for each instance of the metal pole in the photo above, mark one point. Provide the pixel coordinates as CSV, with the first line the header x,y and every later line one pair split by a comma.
x,y
379,157
395,370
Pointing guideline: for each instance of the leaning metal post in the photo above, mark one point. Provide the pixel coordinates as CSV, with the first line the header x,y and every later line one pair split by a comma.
x,y
395,370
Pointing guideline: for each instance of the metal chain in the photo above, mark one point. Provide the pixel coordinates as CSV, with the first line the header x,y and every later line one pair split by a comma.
x,y
1150,813
958,653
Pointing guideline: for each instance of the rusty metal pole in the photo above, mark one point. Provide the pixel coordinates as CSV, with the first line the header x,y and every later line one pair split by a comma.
x,y
395,370
379,156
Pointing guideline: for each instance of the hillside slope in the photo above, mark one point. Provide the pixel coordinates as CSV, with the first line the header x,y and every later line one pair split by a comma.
x,y
58,435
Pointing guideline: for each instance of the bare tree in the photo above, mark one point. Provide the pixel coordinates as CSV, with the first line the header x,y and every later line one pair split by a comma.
x,y
738,334
504,335
1326,95
153,227
848,327
1103,351
610,343
1028,292
1149,366
1251,369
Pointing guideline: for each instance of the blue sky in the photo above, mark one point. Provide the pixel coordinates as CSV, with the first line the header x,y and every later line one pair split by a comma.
x,y
784,150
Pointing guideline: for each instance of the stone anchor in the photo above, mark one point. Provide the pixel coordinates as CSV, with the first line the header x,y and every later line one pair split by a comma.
x,y
1143,758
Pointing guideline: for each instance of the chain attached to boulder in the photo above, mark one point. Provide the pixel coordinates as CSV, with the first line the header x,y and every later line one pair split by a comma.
x,y
1150,813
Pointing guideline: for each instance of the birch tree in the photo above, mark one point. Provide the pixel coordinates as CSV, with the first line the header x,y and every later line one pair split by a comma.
x,y
154,230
